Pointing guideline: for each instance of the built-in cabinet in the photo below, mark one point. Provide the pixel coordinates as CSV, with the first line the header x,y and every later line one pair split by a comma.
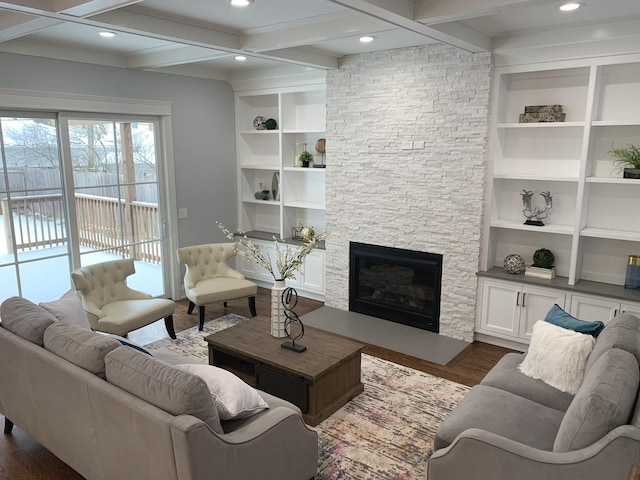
x,y
508,309
267,160
593,225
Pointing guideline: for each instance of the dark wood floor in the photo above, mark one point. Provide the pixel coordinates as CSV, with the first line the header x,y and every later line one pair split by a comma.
x,y
23,458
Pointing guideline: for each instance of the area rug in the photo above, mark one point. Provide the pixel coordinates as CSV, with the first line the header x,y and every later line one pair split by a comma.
x,y
386,432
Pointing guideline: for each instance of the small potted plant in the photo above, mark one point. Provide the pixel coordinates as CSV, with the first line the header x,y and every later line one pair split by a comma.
x,y
629,158
543,264
306,158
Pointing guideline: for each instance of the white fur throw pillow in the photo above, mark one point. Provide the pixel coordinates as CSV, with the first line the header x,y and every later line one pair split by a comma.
x,y
557,356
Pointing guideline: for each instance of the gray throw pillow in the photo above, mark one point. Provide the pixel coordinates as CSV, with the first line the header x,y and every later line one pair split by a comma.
x,y
174,391
25,319
83,348
68,309
605,401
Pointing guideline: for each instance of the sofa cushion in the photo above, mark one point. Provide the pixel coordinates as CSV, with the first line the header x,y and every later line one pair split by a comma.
x,y
232,397
25,319
557,356
174,391
504,414
622,332
605,401
68,309
505,375
559,317
82,347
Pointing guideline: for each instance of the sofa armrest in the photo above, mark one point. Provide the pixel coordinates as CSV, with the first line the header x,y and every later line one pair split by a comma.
x,y
477,453
275,444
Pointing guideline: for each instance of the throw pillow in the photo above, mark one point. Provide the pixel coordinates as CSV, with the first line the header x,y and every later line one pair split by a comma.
x,y
605,401
25,319
559,317
232,397
557,356
68,309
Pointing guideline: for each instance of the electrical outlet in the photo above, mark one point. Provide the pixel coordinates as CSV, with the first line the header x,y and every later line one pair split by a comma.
x,y
418,145
407,145
182,213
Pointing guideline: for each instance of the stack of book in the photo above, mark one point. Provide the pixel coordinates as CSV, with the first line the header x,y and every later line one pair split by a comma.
x,y
542,113
539,272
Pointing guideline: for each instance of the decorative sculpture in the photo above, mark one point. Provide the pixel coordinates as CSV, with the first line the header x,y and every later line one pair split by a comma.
x,y
289,300
535,210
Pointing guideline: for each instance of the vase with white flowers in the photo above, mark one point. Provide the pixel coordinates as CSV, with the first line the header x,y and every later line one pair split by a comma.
x,y
288,260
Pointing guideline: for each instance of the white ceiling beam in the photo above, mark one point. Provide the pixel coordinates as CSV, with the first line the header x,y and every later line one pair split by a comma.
x,y
170,56
304,58
395,13
331,28
15,24
431,12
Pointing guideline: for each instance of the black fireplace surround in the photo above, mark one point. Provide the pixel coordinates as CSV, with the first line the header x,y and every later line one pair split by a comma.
x,y
396,284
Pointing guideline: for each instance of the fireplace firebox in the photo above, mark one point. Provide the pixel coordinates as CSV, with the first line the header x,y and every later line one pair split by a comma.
x,y
396,284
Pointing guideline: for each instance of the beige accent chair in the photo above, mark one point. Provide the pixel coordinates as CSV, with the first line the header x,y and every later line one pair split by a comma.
x,y
112,306
209,279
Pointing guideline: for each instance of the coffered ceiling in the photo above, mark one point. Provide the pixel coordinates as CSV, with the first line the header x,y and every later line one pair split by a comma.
x,y
202,37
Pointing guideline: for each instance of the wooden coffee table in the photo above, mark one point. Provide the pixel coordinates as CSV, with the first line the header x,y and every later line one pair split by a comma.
x,y
319,380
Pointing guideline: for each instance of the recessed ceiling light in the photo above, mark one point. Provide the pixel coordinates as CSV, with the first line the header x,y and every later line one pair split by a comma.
x,y
107,34
240,58
367,39
240,3
571,6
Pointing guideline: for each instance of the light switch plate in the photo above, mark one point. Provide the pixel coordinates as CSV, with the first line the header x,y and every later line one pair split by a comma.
x,y
182,213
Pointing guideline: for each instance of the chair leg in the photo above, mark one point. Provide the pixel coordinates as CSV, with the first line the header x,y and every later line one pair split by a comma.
x,y
252,306
8,426
190,309
168,323
200,317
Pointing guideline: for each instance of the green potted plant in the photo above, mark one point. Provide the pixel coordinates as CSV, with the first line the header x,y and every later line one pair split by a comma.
x,y
306,158
629,158
543,265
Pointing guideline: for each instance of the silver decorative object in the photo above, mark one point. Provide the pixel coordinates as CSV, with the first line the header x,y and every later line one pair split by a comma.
x,y
258,123
514,264
537,206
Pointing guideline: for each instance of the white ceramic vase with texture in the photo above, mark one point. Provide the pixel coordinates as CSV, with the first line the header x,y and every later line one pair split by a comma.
x,y
278,317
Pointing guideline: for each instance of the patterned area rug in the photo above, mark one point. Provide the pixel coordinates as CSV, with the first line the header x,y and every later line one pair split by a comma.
x,y
386,432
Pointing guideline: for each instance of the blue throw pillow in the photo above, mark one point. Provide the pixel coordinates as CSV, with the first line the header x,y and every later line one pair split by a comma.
x,y
559,317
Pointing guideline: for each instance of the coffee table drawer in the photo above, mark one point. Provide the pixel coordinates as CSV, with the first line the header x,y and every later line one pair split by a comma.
x,y
284,386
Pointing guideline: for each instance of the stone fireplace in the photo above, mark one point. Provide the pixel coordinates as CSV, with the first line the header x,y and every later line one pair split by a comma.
x,y
426,199
395,284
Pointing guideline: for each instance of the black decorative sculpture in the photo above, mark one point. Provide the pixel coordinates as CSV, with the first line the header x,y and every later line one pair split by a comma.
x,y
292,323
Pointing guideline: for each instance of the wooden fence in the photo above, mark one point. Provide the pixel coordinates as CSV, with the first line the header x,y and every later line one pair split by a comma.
x,y
104,223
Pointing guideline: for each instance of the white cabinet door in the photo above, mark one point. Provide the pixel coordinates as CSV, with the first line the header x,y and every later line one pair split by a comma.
x,y
534,305
591,309
312,272
500,308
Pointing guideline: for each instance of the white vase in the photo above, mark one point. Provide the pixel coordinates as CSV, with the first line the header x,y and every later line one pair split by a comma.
x,y
277,310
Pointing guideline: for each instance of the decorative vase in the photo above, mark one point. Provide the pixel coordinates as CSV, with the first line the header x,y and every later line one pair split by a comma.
x,y
275,186
278,317
631,173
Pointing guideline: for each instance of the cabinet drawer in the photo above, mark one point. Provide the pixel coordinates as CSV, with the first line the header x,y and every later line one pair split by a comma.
x,y
288,388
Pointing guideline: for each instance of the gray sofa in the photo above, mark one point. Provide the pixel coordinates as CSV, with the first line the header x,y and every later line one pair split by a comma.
x,y
511,426
110,411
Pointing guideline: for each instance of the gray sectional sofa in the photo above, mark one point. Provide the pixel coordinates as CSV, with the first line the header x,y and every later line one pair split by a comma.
x,y
112,412
515,427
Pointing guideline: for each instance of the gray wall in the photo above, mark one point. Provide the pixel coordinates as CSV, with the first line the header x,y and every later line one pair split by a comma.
x,y
428,199
203,129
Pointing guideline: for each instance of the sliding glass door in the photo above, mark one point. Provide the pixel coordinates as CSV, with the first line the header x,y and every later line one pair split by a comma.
x,y
79,190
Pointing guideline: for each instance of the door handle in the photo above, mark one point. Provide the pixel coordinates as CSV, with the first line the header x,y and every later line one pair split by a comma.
x,y
524,295
518,300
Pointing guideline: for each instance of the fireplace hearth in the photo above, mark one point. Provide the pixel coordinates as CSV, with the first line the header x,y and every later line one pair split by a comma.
x,y
396,284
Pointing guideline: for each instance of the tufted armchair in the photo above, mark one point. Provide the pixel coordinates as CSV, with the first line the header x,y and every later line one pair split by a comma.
x,y
112,306
209,279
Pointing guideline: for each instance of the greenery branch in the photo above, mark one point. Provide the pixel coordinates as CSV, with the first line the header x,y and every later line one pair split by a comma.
x,y
288,259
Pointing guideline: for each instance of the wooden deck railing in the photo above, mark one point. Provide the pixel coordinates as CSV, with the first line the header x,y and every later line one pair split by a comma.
x,y
102,225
